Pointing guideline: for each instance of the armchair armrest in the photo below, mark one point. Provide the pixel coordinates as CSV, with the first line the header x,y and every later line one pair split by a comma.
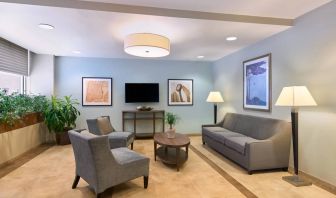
x,y
78,130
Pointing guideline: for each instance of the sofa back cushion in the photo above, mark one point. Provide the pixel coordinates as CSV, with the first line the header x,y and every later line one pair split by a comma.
x,y
230,121
256,127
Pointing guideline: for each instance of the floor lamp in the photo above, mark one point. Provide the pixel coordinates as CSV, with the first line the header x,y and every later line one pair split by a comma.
x,y
295,97
215,97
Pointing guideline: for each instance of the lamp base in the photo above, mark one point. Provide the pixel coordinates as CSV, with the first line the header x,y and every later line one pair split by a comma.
x,y
296,181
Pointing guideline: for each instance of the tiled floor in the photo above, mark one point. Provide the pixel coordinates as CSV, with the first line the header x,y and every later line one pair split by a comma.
x,y
264,184
51,174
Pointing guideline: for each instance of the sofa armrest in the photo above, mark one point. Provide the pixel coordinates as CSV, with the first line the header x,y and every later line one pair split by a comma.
x,y
218,124
267,154
210,125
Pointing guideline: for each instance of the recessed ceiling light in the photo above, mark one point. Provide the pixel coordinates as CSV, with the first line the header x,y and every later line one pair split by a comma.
x,y
46,26
231,38
200,57
76,52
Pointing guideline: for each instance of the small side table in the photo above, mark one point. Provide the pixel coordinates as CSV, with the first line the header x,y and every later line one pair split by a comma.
x,y
170,151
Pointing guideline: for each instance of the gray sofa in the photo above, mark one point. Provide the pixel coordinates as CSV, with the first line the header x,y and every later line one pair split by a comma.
x,y
255,143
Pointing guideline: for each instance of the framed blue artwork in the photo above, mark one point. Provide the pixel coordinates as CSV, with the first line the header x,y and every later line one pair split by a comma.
x,y
257,83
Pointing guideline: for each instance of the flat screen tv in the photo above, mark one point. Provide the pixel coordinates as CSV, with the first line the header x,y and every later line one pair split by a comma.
x,y
141,92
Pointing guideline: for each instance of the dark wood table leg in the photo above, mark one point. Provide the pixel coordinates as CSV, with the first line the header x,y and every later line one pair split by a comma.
x,y
187,148
155,146
177,158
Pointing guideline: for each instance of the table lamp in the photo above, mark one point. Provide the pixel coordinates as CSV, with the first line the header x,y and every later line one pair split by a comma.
x,y
295,97
215,97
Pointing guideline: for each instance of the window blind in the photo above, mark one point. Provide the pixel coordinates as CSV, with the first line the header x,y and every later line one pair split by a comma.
x,y
13,58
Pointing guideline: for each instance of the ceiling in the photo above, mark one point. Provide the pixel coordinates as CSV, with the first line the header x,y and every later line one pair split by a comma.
x,y
270,8
97,29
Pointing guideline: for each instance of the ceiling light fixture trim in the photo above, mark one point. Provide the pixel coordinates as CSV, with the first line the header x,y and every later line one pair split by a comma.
x,y
46,26
147,45
231,38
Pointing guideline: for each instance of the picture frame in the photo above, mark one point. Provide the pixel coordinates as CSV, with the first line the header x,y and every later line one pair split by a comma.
x,y
180,92
257,83
96,91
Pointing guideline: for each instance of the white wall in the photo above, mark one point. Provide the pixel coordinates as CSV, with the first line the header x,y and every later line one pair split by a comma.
x,y
68,81
302,55
41,78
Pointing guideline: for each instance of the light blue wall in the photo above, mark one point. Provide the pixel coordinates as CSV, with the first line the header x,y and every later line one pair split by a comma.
x,y
68,81
301,55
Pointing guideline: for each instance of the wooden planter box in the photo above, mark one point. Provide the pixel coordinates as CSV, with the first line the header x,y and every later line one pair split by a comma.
x,y
26,120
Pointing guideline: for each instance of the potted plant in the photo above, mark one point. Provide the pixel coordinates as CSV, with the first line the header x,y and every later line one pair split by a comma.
x,y
171,119
60,116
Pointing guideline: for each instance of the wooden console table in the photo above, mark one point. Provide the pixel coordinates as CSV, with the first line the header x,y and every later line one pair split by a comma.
x,y
135,116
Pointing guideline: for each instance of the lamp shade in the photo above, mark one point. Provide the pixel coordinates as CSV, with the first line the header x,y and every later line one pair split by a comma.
x,y
147,45
215,96
295,96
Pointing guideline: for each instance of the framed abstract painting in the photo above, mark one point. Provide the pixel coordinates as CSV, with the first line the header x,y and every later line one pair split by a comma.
x,y
257,83
180,92
96,91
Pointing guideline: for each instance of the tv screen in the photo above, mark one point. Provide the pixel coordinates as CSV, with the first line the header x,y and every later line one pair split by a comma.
x,y
141,92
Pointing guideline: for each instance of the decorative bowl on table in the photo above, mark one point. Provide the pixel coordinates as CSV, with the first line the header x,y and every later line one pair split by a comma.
x,y
144,108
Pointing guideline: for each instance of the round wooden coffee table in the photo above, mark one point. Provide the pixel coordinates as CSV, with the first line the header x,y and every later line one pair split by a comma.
x,y
170,151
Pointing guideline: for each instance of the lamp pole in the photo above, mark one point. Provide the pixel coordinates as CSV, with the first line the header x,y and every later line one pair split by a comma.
x,y
215,113
294,118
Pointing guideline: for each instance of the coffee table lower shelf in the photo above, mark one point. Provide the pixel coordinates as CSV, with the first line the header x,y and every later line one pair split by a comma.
x,y
174,156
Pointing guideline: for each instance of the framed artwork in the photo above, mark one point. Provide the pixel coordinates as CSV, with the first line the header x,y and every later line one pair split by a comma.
x,y
180,92
96,91
257,83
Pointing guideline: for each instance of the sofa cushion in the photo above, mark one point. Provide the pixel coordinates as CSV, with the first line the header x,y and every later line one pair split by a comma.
x,y
258,127
238,143
214,129
219,136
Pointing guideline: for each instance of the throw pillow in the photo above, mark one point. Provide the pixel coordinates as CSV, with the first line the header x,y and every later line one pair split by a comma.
x,y
104,125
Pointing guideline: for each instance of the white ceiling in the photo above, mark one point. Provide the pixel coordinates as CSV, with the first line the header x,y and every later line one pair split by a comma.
x,y
268,8
101,33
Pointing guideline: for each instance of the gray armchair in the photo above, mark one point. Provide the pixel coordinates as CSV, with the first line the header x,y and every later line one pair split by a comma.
x,y
116,138
103,168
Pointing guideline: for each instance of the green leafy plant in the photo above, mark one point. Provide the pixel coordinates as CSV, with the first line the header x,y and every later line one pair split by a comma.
x,y
61,114
171,119
14,106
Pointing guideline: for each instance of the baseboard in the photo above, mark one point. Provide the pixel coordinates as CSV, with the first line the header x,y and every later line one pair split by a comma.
x,y
193,134
316,181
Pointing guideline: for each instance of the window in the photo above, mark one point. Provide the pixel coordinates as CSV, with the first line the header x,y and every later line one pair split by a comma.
x,y
11,82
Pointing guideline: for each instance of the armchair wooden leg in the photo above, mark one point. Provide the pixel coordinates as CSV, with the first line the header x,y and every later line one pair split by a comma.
x,y
74,185
132,146
145,182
